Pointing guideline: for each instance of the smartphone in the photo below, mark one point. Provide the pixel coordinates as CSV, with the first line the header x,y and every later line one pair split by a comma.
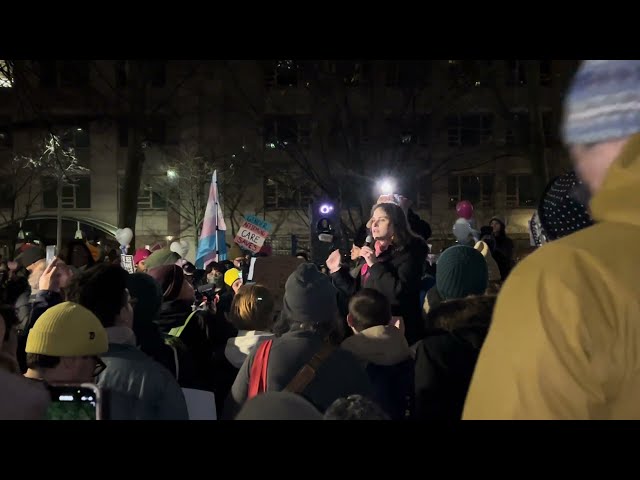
x,y
51,253
75,402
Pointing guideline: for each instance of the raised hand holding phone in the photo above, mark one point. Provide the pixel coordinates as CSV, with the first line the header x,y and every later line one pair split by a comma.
x,y
50,280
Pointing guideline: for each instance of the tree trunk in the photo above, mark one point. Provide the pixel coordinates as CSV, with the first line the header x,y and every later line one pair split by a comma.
x,y
135,151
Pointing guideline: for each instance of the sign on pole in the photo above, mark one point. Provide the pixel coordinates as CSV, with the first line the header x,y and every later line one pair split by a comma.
x,y
252,233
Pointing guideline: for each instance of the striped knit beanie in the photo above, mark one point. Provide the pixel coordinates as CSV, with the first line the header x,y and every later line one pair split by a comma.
x,y
603,102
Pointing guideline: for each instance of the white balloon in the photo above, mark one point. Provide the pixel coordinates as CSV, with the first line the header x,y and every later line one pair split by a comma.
x,y
181,248
462,230
124,236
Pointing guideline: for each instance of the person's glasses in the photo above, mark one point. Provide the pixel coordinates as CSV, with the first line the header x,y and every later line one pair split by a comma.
x,y
99,368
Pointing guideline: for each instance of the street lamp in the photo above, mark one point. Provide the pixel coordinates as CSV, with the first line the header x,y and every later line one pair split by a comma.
x,y
172,174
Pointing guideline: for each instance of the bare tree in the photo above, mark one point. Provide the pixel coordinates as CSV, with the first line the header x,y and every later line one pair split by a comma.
x,y
185,187
61,165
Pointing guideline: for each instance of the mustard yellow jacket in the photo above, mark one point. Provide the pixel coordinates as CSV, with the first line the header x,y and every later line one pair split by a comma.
x,y
565,337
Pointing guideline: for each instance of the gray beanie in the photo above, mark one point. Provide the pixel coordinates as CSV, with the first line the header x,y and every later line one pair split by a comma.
x,y
309,297
603,102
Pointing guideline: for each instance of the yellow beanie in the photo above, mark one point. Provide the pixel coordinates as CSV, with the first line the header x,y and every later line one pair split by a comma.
x,y
231,276
67,330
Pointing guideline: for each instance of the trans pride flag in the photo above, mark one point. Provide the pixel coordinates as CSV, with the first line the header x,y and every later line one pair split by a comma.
x,y
212,246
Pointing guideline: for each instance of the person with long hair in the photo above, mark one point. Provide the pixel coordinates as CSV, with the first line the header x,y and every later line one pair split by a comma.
x,y
393,266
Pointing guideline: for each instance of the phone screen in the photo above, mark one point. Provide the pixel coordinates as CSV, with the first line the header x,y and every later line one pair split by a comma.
x,y
51,253
74,402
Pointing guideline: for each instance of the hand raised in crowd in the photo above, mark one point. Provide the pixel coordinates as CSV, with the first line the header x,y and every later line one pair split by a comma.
x,y
334,261
50,279
369,255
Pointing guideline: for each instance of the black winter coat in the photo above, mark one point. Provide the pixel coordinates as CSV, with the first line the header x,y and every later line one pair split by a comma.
x,y
397,275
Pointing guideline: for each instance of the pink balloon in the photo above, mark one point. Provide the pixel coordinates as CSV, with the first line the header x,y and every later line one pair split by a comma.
x,y
464,209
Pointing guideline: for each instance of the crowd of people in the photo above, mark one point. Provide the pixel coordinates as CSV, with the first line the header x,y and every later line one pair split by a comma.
x,y
391,335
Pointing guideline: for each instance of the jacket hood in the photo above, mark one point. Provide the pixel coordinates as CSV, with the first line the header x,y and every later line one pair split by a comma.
x,y
617,199
238,348
381,345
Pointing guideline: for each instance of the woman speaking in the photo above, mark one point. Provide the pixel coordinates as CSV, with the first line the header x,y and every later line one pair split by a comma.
x,y
394,262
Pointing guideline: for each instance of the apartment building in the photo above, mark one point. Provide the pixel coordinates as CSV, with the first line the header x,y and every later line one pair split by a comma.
x,y
280,133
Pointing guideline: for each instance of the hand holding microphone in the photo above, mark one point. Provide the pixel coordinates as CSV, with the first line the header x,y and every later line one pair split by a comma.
x,y
367,251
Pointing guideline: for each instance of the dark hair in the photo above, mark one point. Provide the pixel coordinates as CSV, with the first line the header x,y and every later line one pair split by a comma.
x,y
369,308
101,289
227,264
360,237
355,407
68,250
303,255
464,312
211,266
36,361
8,314
402,233
503,227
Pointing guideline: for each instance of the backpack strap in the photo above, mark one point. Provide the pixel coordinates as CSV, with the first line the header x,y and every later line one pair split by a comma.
x,y
258,374
308,371
177,331
176,361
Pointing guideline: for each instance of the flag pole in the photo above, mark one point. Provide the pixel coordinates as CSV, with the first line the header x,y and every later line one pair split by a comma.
x,y
217,220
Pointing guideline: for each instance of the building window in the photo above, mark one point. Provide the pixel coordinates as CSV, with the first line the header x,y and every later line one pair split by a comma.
x,y
6,74
152,195
281,73
520,191
516,74
469,129
73,196
408,131
545,73
281,131
520,121
423,197
74,74
286,194
155,132
477,189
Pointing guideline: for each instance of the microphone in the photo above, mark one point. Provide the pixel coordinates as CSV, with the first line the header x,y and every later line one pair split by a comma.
x,y
369,241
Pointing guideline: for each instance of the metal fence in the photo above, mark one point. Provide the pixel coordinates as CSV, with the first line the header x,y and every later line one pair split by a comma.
x,y
289,244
